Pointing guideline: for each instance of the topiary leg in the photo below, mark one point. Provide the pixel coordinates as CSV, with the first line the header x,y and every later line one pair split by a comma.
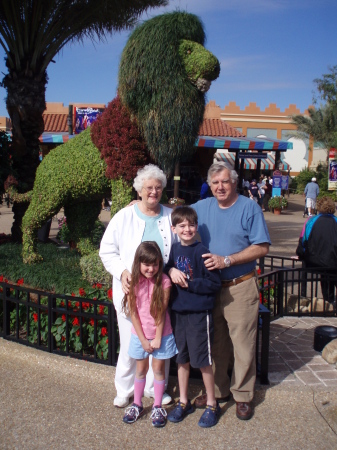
x,y
81,218
36,215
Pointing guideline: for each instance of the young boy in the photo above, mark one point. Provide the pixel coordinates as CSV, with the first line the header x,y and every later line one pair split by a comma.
x,y
192,300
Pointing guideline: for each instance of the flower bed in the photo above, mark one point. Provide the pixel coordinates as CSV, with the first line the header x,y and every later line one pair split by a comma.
x,y
74,324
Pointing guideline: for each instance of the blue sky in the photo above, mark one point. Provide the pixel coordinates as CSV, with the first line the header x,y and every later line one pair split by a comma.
x,y
270,52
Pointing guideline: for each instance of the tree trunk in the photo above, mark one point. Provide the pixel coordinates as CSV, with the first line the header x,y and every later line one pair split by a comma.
x,y
25,104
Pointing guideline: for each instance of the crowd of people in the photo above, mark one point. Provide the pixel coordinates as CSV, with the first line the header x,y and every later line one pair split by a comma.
x,y
210,289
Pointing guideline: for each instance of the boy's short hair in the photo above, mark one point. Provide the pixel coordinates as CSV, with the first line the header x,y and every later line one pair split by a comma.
x,y
182,213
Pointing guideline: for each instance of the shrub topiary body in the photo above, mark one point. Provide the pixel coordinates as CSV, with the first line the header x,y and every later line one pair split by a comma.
x,y
71,176
163,76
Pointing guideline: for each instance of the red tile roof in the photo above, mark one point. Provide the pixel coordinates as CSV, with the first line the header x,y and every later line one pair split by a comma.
x,y
210,127
55,123
218,127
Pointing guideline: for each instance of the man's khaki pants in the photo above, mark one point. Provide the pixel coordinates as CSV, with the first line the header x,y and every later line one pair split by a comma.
x,y
235,322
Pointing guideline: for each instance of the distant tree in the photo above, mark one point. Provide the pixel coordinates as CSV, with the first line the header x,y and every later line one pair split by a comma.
x,y
322,122
119,141
32,32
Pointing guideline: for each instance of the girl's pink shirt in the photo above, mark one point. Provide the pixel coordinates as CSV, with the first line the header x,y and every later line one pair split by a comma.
x,y
143,301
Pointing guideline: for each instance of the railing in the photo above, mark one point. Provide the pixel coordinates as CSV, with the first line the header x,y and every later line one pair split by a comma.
x,y
63,324
87,328
289,289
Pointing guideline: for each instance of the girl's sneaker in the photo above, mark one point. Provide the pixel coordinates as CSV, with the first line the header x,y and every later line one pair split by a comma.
x,y
133,413
158,416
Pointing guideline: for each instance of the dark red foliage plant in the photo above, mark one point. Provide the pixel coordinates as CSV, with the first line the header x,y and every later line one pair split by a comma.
x,y
118,139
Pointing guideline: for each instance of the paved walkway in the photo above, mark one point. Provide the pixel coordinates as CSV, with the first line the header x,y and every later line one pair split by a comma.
x,y
48,401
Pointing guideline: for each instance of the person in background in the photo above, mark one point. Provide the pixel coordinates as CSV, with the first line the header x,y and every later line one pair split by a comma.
x,y
146,220
261,185
311,192
317,245
205,191
254,192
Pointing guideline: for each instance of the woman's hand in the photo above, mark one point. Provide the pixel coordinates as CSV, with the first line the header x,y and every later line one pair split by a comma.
x,y
178,277
155,343
147,346
126,280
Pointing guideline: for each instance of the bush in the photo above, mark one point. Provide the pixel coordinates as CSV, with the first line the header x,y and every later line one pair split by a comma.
x,y
278,202
93,270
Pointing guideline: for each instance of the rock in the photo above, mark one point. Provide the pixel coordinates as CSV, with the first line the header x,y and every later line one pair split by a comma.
x,y
330,352
318,305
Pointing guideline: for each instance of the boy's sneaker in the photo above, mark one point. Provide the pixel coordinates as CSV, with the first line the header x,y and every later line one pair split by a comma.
x,y
133,413
210,416
180,412
158,416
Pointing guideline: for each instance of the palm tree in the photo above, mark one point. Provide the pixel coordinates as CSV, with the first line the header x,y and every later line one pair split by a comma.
x,y
322,122
32,32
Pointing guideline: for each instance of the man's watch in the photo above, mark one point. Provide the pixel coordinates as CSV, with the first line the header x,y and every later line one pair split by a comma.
x,y
227,261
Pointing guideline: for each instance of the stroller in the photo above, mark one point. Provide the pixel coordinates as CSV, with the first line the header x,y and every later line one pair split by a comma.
x,y
306,209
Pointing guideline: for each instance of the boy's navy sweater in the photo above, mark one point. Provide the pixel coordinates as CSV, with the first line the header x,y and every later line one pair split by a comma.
x,y
202,283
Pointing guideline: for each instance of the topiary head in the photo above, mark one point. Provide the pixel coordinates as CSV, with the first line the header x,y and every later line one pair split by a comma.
x,y
164,73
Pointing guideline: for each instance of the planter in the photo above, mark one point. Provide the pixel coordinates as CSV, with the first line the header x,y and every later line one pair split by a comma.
x,y
277,211
43,232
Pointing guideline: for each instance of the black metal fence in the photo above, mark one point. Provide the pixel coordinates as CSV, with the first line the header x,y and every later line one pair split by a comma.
x,y
87,329
74,326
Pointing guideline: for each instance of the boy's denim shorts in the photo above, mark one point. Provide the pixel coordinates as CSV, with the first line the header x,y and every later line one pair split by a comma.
x,y
167,349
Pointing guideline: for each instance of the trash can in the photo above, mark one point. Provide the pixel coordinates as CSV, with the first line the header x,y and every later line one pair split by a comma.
x,y
323,335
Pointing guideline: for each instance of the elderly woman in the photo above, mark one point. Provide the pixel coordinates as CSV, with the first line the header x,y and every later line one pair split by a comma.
x,y
146,220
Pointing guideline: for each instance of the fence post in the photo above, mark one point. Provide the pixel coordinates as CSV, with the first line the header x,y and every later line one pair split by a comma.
x,y
111,326
6,313
50,322
280,291
261,264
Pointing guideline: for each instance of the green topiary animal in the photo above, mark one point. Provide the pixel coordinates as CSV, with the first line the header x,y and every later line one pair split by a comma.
x,y
164,74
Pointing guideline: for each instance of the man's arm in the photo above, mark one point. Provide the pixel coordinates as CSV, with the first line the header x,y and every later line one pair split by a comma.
x,y
249,254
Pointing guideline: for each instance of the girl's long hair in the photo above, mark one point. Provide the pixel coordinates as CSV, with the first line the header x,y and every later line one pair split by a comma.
x,y
148,252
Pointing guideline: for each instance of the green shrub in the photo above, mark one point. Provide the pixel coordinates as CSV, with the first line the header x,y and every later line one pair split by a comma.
x,y
93,270
121,195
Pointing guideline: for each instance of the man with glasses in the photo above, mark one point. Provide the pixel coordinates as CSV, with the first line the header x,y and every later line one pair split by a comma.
x,y
234,230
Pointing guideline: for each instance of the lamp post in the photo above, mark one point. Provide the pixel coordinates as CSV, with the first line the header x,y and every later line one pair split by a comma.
x,y
70,120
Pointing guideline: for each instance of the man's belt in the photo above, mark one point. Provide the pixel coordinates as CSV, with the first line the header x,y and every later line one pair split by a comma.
x,y
238,280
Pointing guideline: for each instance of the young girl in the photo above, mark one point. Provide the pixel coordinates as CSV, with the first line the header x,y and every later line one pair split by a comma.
x,y
151,331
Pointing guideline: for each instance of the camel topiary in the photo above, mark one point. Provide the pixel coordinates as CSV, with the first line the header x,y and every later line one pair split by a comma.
x,y
164,74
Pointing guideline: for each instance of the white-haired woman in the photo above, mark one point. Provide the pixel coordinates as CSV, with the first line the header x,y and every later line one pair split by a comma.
x,y
146,220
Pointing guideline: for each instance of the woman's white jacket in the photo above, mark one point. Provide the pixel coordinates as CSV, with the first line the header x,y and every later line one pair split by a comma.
x,y
120,241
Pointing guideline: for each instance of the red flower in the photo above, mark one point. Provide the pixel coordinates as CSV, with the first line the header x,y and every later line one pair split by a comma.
x,y
109,293
77,332
35,317
77,304
107,341
1,278
85,305
64,317
73,295
104,331
82,292
95,298
98,285
101,309
63,338
259,271
62,303
94,286
92,322
261,298
76,322
19,282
